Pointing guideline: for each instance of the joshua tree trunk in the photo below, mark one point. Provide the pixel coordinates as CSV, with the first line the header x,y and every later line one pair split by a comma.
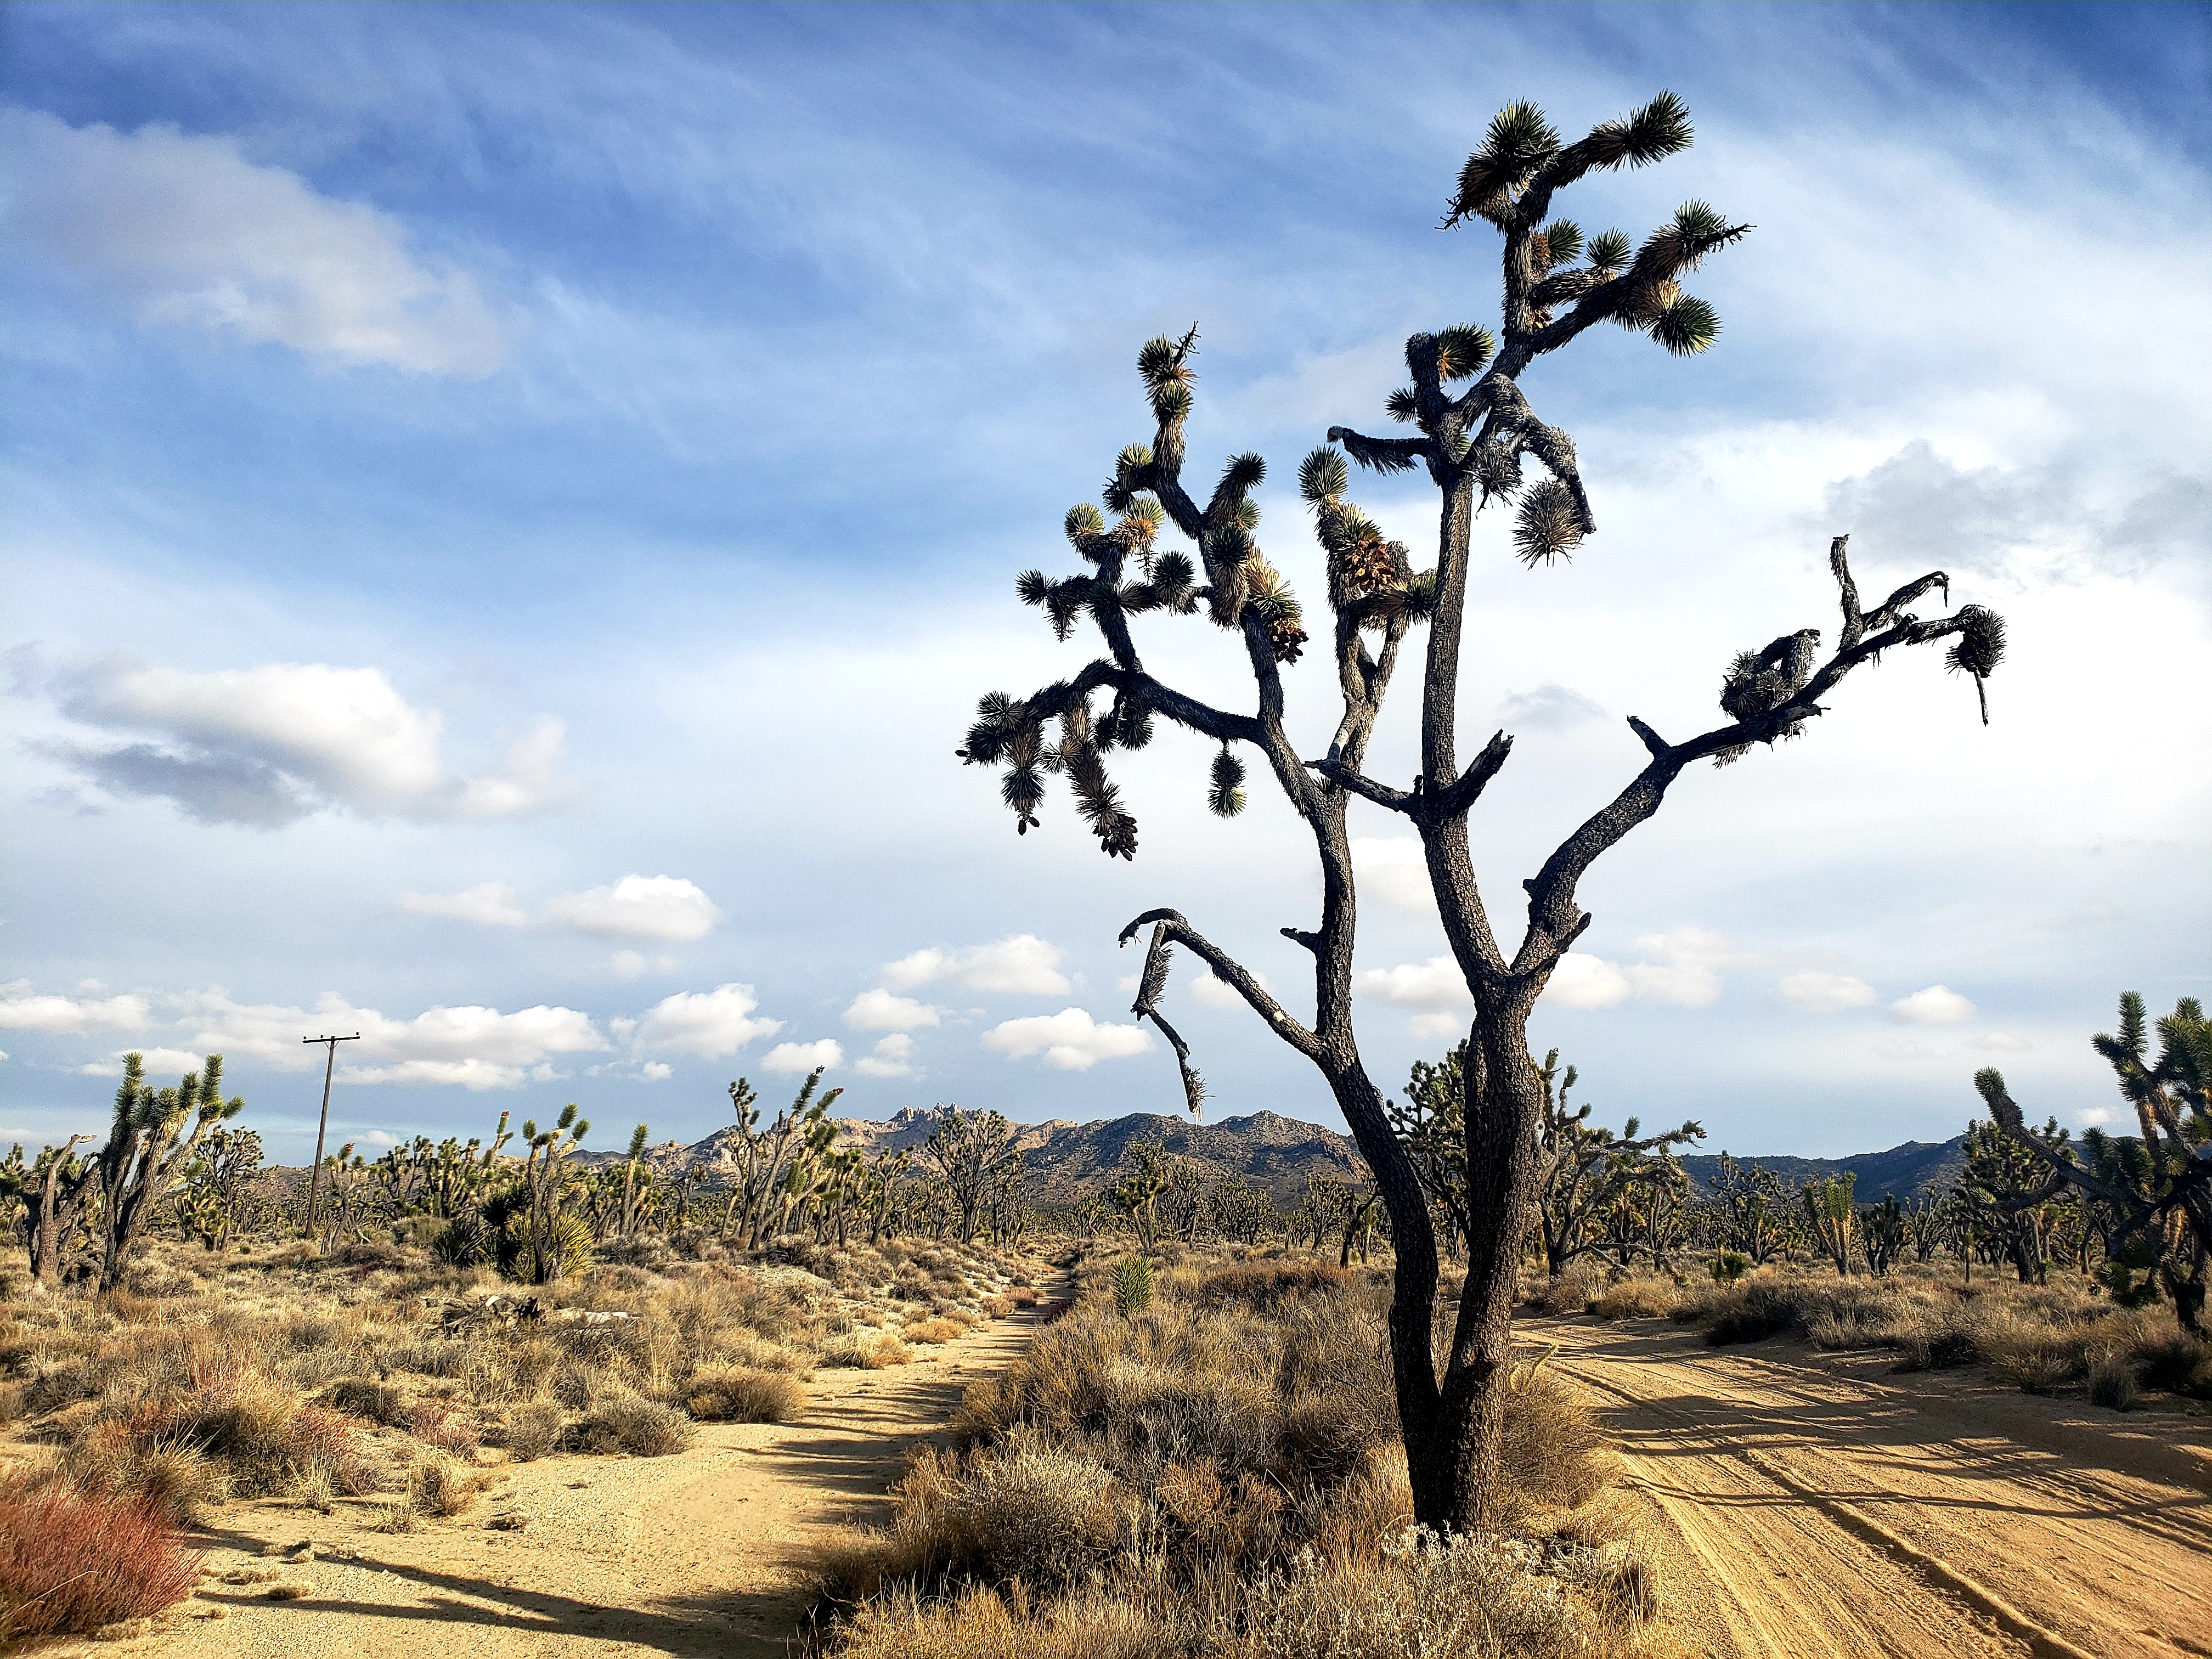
x,y
1473,446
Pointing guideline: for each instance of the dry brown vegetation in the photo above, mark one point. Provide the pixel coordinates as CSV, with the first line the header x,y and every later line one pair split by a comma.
x,y
384,1380
2041,1338
1220,1474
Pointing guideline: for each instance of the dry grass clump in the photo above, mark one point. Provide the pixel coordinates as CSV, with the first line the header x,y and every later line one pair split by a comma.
x,y
1636,1298
633,1427
938,1329
866,1353
743,1394
1136,1484
531,1430
72,1562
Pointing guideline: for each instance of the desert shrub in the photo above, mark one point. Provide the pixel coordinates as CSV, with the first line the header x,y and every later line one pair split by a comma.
x,y
743,1394
1571,1291
934,1330
637,1428
2037,1358
866,1353
379,1402
175,1477
1555,1455
2112,1384
1748,1312
438,1483
71,1561
436,1423
531,1430
1636,1298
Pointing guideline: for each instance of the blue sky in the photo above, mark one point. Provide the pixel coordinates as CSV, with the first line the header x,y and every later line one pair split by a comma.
x,y
509,511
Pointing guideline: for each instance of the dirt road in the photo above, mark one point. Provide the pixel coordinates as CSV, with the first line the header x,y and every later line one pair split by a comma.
x,y
1835,1508
695,1553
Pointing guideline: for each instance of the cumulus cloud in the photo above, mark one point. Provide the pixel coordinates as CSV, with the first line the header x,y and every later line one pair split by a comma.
x,y
2003,1042
2096,1117
1023,966
1547,709
802,1057
1392,869
1938,1005
187,231
266,746
23,1010
656,1071
893,1057
158,1063
1070,1040
638,906
1582,980
488,904
475,1047
1431,986
1824,993
1686,974
879,1010
711,1024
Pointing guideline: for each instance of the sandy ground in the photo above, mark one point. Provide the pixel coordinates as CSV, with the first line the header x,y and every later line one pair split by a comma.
x,y
1832,1507
697,1553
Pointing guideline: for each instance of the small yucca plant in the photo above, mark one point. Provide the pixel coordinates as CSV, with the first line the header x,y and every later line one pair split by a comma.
x,y
1132,1286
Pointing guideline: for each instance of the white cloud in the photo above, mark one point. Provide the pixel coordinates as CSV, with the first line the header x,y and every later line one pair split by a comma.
x,y
638,906
1903,1048
265,746
1586,981
656,1071
893,1057
161,1064
1393,869
1071,1041
708,1023
488,904
2003,1042
879,1010
1547,709
188,231
1939,1005
632,965
473,1047
21,1010
1023,966
800,1057
1824,993
2096,1117
377,1138
1438,1027
1434,985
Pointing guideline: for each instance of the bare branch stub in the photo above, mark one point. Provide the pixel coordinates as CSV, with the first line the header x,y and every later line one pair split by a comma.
x,y
1474,432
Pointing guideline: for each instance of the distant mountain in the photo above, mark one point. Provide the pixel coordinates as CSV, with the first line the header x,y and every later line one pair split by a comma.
x,y
1069,1161
1917,1167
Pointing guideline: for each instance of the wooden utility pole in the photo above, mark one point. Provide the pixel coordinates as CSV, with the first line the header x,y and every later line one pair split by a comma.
x,y
315,1176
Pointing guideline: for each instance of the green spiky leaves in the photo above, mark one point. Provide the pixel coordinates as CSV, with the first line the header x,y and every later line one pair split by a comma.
x,y
1463,352
1084,519
1519,142
1323,476
1244,473
1160,361
1099,800
1661,128
1686,325
1563,241
1549,526
1610,252
1404,405
1225,799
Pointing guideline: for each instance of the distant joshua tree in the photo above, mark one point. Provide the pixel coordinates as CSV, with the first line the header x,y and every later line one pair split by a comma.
x,y
1474,444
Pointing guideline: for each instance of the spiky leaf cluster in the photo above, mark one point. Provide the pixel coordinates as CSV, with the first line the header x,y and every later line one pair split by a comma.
x,y
1759,682
1227,797
1548,526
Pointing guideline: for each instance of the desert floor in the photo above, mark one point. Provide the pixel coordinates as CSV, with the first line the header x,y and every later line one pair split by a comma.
x,y
699,1553
1833,1508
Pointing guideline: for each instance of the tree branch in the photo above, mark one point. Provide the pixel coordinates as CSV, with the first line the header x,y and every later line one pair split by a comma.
x,y
1171,926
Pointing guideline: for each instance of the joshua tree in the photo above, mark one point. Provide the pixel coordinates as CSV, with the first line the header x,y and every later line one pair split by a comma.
x,y
973,1152
1586,1172
2157,1191
1832,1218
1473,444
145,1157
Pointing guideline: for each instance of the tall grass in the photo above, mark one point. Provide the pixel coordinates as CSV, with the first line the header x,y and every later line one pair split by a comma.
x,y
1221,1473
72,1562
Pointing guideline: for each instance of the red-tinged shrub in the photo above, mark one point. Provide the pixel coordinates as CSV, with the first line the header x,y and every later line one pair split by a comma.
x,y
71,1562
436,1423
